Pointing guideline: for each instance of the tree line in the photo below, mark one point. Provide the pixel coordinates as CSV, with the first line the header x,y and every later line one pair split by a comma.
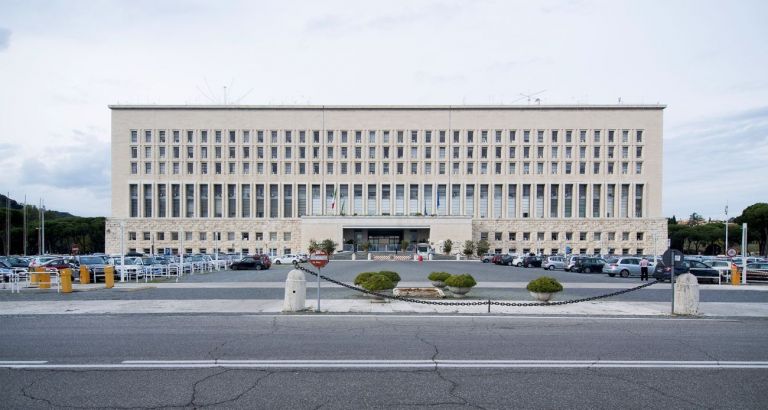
x,y
708,238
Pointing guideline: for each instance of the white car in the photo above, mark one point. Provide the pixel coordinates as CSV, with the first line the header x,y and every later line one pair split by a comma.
x,y
278,260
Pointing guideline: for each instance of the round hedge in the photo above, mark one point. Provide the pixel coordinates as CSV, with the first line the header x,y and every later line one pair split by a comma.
x,y
461,281
393,276
544,284
362,277
439,276
378,282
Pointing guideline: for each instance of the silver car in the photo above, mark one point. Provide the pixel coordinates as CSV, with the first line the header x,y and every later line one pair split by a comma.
x,y
624,267
554,262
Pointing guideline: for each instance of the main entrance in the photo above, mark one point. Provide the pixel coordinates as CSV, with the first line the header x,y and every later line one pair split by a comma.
x,y
383,240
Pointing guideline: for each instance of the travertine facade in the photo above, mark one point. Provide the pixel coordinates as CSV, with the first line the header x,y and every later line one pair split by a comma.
x,y
269,178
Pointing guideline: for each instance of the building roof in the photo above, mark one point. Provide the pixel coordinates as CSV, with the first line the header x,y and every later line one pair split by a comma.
x,y
392,107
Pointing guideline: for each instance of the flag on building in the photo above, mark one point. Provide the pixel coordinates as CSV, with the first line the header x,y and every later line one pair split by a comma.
x,y
333,204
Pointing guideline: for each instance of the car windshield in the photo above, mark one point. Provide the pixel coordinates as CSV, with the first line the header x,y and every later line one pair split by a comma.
x,y
91,260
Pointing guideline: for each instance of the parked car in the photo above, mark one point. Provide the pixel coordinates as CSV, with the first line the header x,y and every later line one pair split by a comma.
x,y
95,264
290,258
496,260
18,261
303,257
624,267
588,265
554,262
570,262
257,262
507,260
487,257
722,266
701,270
532,261
757,271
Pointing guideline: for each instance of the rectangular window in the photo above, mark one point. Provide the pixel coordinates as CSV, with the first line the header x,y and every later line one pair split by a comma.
x,y
539,200
302,200
245,204
413,199
274,201
231,201
175,200
162,200
133,192
554,194
372,199
330,205
287,201
357,199
441,199
624,204
189,200
260,201
639,200
497,195
218,201
203,201
610,201
582,200
399,199
456,199
469,206
512,201
526,205
147,200
386,198
596,192
568,200
428,199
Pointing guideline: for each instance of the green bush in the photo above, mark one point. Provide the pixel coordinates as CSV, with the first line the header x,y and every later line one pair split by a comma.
x,y
393,276
544,284
461,281
378,282
439,276
363,276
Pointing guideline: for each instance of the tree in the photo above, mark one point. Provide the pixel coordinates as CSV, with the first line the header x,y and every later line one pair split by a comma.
x,y
404,245
756,218
313,246
469,248
447,246
328,246
482,247
695,219
672,220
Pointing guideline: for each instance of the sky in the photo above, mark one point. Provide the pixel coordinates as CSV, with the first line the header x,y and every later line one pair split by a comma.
x,y
63,62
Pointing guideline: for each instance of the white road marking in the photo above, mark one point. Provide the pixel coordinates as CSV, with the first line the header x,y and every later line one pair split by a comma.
x,y
384,364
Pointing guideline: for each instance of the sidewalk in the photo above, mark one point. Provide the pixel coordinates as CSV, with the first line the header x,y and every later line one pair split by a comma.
x,y
246,306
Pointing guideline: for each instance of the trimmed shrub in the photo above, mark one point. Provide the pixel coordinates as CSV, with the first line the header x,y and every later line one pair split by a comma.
x,y
393,276
363,276
544,284
461,281
438,276
378,282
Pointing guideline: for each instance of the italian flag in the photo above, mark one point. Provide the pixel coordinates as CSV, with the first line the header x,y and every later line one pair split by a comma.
x,y
333,204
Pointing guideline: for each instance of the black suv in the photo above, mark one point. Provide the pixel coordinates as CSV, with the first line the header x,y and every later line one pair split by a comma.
x,y
534,261
257,262
702,271
589,265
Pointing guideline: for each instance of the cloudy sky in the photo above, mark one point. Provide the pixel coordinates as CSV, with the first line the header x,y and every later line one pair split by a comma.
x,y
63,62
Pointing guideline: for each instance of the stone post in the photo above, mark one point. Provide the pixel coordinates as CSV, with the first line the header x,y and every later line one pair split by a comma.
x,y
686,295
295,291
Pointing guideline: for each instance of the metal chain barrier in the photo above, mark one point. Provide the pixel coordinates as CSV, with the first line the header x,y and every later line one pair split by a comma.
x,y
477,303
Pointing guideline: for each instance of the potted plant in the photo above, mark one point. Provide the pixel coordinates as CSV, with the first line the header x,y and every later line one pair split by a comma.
x,y
378,283
393,276
438,279
362,277
460,285
543,288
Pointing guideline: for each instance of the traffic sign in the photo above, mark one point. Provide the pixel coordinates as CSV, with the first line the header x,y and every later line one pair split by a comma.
x,y
672,257
731,252
319,259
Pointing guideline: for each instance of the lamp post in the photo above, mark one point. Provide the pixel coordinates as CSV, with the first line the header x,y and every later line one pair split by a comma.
x,y
725,250
122,251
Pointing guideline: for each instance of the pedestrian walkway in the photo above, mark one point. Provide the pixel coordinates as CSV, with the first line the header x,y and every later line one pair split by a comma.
x,y
351,306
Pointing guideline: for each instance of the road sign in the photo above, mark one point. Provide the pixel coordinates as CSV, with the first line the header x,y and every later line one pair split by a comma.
x,y
731,252
319,259
672,257
567,250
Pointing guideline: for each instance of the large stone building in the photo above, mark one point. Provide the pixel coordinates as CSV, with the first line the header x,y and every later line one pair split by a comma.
x,y
271,178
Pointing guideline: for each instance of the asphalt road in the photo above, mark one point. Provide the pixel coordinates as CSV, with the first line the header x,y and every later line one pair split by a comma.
x,y
253,361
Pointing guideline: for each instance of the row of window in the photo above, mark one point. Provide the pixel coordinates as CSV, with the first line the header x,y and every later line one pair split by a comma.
x,y
556,236
215,236
397,168
297,200
552,136
272,252
469,152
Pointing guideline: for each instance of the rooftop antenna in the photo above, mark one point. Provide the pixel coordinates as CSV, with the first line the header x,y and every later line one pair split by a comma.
x,y
225,95
619,100
528,97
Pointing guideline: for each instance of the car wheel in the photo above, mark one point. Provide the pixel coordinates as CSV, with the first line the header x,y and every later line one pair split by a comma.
x,y
259,267
551,267
613,275
587,270
519,265
277,262
624,273
509,263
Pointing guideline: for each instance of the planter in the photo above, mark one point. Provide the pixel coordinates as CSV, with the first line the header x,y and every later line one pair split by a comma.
x,y
542,296
379,299
438,284
459,292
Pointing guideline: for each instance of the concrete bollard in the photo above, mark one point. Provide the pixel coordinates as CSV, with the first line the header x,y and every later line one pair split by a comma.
x,y
370,257
458,257
415,257
295,291
686,295
354,256
429,257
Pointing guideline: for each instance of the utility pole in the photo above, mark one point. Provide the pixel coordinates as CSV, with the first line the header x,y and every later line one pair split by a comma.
x,y
25,225
725,251
8,224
